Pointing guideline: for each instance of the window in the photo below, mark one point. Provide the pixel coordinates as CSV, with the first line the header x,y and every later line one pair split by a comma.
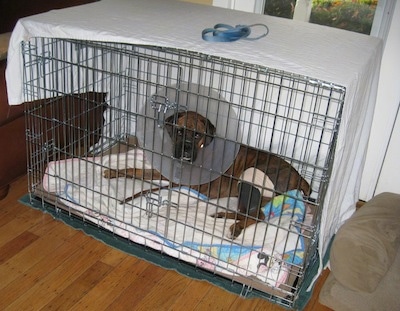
x,y
353,15
365,16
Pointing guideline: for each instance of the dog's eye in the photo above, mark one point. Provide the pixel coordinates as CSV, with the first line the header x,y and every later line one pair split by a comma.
x,y
197,135
180,132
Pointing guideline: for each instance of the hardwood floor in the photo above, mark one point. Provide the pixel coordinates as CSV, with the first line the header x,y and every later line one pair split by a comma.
x,y
47,265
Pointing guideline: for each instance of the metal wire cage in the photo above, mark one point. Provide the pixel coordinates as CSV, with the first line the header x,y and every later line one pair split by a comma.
x,y
95,106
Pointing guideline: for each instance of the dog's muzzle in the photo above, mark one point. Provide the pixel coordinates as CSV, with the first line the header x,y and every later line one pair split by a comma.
x,y
186,151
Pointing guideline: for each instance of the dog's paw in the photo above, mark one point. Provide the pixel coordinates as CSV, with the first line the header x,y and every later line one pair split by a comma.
x,y
110,174
218,215
235,230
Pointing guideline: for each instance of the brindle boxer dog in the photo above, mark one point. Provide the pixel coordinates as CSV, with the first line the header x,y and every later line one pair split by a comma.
x,y
190,132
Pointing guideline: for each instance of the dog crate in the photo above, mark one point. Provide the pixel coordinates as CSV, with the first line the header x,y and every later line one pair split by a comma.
x,y
95,106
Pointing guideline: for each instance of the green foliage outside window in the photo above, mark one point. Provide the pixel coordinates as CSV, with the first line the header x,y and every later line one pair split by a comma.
x,y
353,15
280,8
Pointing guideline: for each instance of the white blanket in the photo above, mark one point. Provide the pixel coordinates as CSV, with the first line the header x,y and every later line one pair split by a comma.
x,y
183,228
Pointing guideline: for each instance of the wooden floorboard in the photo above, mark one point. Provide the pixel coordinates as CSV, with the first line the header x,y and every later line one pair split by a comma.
x,y
47,265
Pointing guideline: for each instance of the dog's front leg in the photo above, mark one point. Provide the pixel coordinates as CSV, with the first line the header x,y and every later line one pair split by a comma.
x,y
148,174
112,173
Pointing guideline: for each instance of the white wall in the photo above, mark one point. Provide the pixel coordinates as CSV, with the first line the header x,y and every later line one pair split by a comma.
x,y
384,118
388,181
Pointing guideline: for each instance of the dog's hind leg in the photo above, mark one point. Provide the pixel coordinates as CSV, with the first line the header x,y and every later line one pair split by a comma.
x,y
249,211
237,228
249,208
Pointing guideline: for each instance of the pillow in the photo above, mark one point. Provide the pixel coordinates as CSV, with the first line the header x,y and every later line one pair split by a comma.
x,y
365,246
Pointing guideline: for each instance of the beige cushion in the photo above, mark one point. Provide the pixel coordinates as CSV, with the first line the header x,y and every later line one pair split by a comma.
x,y
386,296
366,245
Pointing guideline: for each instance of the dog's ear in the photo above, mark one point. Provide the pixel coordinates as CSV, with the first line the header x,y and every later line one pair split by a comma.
x,y
210,132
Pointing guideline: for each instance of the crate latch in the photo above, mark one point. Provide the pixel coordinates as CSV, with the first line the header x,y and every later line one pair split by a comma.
x,y
161,104
154,202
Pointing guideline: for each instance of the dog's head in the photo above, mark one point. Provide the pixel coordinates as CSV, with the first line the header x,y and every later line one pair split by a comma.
x,y
189,132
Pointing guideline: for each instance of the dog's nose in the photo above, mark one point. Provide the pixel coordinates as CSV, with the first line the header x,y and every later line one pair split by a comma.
x,y
188,151
187,155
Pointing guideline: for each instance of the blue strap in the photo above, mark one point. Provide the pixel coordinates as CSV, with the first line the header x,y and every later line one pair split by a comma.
x,y
228,33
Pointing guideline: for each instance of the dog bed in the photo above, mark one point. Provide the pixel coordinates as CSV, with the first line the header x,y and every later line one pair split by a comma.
x,y
178,221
